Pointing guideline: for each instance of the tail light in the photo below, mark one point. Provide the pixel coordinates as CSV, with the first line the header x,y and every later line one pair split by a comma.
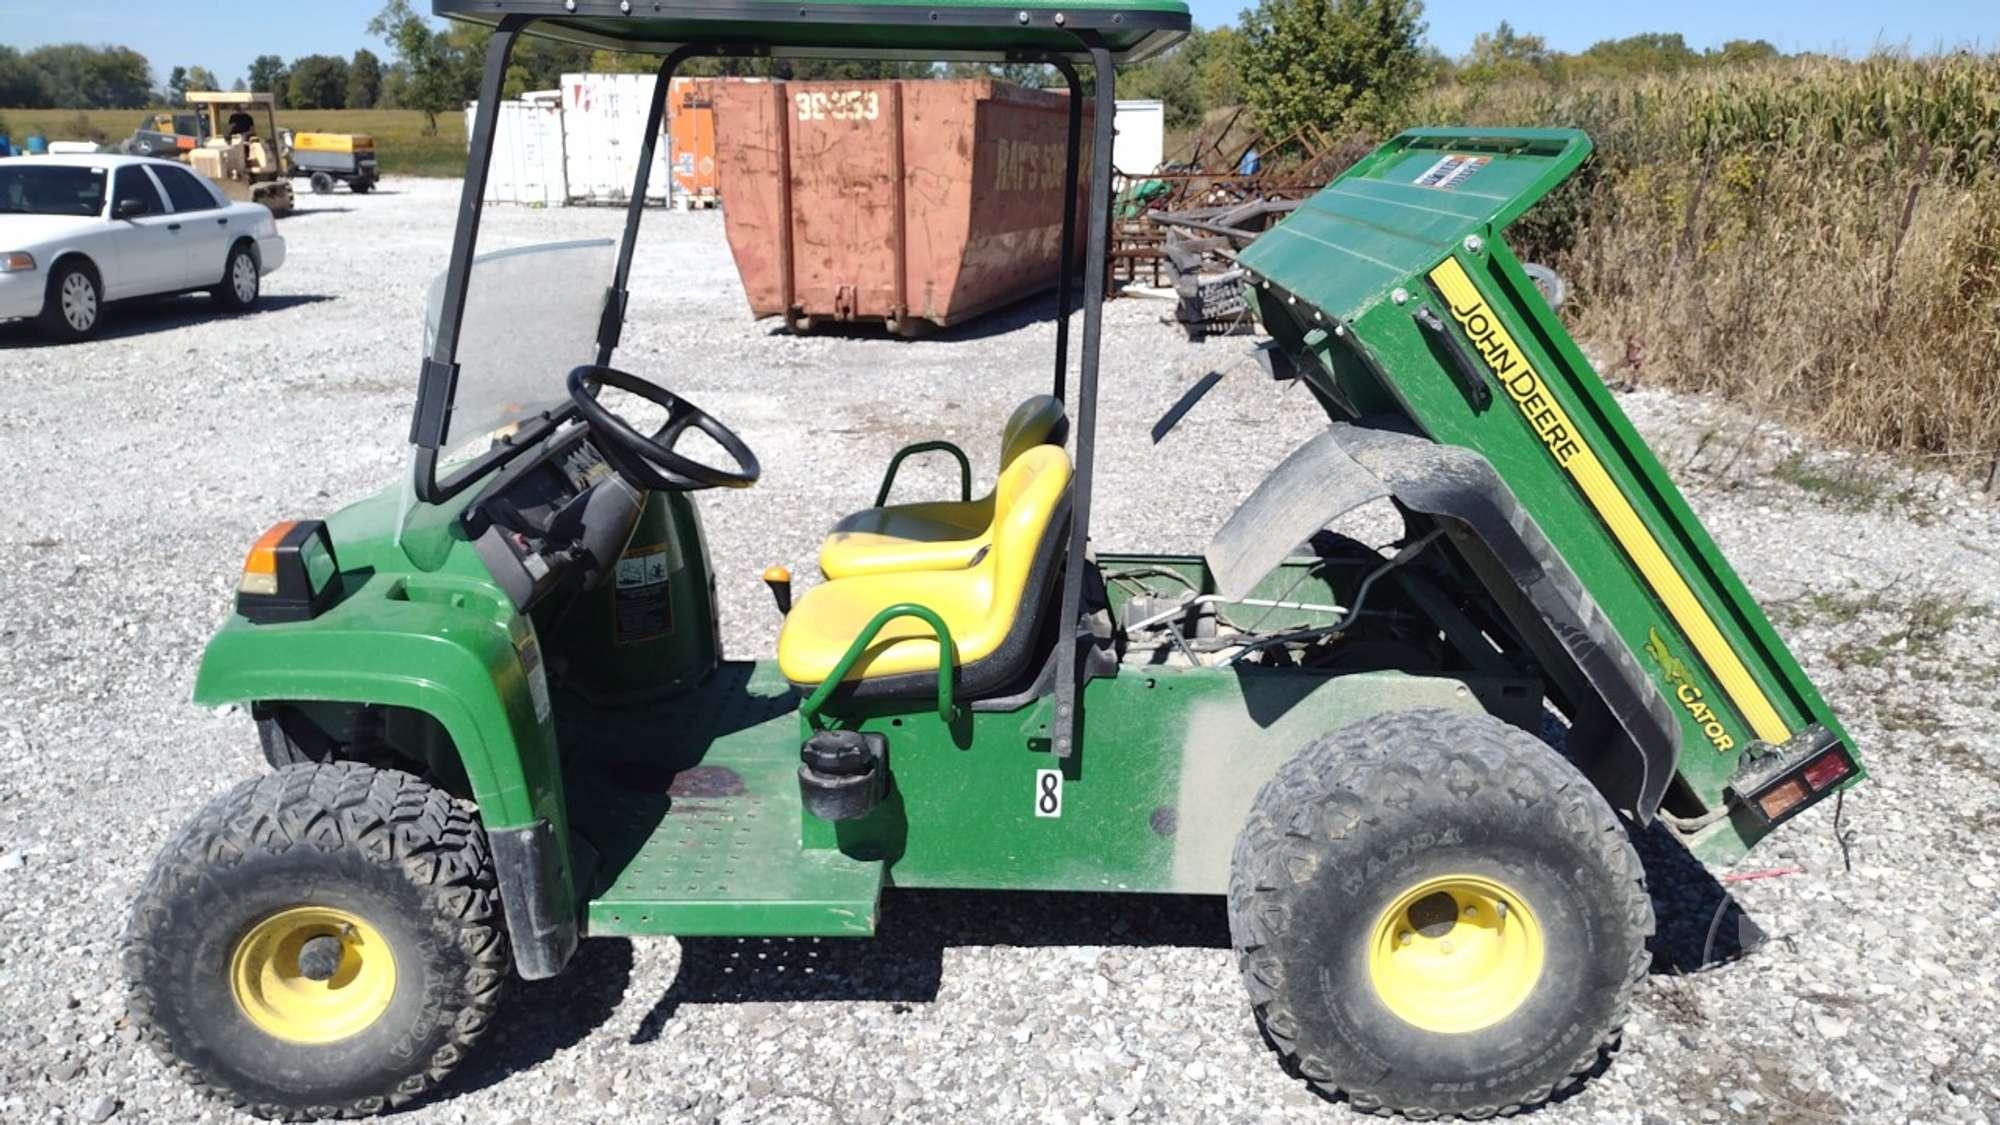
x,y
1784,781
291,574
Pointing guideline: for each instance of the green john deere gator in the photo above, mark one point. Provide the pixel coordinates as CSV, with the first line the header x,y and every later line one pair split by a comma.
x,y
499,723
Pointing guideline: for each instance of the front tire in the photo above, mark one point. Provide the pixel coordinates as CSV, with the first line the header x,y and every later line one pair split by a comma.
x,y
322,183
325,940
74,304
242,280
1435,914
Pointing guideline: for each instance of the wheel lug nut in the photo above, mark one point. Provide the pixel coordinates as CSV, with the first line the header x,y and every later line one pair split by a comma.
x,y
1404,938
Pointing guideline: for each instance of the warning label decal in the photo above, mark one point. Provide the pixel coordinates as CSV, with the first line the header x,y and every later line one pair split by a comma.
x,y
1451,171
641,607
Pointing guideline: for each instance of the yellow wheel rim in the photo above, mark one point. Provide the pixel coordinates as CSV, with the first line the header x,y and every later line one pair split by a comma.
x,y
1455,954
345,984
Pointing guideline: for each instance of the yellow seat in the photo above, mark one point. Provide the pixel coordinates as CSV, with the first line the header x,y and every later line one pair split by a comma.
x,y
939,535
990,607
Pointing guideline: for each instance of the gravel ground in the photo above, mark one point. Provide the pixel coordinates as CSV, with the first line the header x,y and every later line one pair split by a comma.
x,y
150,458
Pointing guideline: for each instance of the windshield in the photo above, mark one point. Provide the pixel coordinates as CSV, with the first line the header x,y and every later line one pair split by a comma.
x,y
531,315
31,188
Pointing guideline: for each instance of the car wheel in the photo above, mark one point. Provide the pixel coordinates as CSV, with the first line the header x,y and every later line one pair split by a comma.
x,y
241,279
322,183
75,302
361,187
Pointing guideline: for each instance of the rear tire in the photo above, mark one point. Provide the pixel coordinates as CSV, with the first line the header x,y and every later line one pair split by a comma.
x,y
1434,914
74,305
322,183
242,280
368,875
361,187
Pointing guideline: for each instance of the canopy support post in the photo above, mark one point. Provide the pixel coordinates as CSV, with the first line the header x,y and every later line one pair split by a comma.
x,y
1072,156
430,421
612,326
1068,716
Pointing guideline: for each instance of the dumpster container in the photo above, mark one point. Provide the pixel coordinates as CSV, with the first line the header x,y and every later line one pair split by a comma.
x,y
909,203
691,141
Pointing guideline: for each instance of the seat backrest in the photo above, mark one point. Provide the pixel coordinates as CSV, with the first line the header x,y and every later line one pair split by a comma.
x,y
1024,506
1040,420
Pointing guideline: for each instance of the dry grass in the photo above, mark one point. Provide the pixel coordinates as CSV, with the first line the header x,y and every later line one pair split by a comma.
x,y
400,140
1817,237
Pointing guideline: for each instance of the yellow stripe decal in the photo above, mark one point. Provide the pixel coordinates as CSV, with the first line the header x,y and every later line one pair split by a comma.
x,y
1566,444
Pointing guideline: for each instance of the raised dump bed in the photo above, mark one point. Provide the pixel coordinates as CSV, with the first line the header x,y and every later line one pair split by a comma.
x,y
911,204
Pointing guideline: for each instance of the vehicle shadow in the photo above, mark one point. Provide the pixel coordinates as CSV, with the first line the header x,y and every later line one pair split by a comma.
x,y
308,212
540,1019
1697,923
904,963
144,315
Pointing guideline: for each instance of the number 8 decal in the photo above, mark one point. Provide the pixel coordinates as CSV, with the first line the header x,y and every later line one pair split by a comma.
x,y
1048,792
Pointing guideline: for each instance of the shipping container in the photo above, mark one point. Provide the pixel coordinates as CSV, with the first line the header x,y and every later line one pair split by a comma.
x,y
604,124
691,141
908,203
527,150
1140,143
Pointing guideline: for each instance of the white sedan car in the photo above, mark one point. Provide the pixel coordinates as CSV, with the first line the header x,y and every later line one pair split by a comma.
x,y
79,231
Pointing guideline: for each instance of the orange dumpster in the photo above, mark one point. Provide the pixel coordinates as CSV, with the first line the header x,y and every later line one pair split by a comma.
x,y
909,203
691,140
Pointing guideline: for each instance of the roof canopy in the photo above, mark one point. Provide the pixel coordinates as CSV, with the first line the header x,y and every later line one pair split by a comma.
x,y
990,30
227,97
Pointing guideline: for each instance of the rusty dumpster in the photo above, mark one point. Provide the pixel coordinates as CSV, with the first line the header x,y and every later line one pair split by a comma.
x,y
908,203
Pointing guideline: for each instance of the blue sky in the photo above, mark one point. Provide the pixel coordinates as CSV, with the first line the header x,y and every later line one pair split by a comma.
x,y
224,35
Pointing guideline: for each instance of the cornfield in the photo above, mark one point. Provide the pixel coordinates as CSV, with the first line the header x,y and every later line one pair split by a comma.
x,y
1818,237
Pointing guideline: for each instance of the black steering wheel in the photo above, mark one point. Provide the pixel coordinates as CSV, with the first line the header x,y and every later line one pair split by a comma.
x,y
650,462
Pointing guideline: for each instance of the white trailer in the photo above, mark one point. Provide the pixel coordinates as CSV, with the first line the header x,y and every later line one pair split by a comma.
x,y
527,151
1140,144
603,120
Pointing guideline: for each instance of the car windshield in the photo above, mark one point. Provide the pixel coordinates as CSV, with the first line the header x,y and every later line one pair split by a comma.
x,y
31,188
531,314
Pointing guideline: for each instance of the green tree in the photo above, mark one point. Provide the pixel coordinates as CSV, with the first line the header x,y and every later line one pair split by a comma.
x,y
1503,55
74,75
177,85
202,78
20,84
317,82
1335,64
267,75
364,80
1202,72
432,77
1651,52
1736,52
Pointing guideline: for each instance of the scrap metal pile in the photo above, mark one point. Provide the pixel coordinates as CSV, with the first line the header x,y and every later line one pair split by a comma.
x,y
1184,224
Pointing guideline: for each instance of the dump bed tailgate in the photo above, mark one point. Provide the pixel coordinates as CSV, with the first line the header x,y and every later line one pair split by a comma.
x,y
1395,281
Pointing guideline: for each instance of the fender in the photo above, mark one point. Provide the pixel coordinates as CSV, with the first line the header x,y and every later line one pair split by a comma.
x,y
1350,465
451,649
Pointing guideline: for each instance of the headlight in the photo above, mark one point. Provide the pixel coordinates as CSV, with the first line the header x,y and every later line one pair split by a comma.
x,y
16,261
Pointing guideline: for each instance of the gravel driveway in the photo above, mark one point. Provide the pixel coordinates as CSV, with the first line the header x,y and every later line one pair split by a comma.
x,y
148,460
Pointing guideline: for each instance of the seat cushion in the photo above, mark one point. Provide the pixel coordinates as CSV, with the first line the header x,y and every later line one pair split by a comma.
x,y
830,615
933,536
942,535
979,603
